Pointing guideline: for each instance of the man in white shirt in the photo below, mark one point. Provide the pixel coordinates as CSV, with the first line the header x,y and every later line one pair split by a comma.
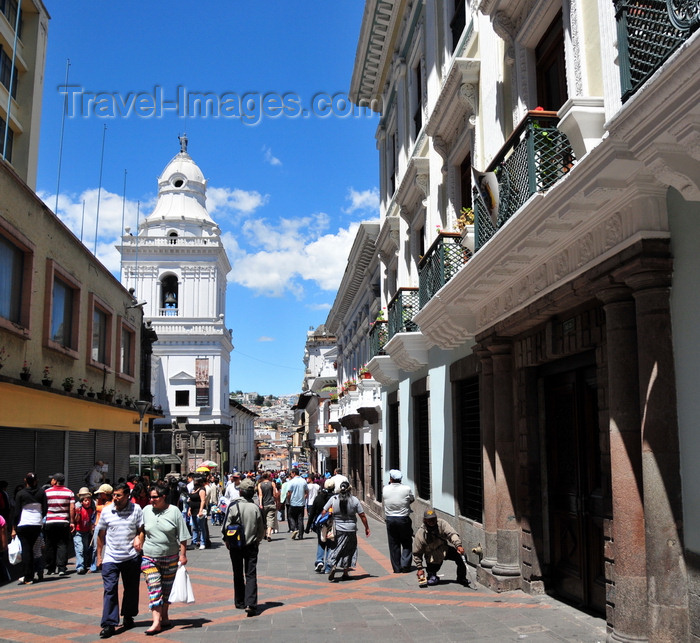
x,y
338,478
397,499
119,525
232,488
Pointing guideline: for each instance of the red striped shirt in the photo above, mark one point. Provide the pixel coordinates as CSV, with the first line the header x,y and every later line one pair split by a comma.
x,y
58,500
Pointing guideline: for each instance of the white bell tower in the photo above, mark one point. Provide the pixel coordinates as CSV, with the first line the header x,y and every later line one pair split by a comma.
x,y
177,264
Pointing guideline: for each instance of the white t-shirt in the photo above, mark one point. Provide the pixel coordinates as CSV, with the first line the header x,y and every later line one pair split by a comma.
x,y
313,492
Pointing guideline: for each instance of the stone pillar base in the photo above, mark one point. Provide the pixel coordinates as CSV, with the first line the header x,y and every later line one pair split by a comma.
x,y
497,583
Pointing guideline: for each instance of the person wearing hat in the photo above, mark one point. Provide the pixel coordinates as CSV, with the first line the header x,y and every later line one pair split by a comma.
x,y
84,521
396,500
437,541
59,526
244,552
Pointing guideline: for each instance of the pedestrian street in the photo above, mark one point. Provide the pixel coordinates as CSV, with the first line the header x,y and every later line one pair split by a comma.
x,y
297,603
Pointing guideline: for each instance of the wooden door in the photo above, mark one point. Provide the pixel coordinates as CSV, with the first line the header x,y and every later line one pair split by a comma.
x,y
576,498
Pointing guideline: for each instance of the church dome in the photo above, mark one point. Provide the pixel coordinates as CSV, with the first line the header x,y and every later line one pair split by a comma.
x,y
182,197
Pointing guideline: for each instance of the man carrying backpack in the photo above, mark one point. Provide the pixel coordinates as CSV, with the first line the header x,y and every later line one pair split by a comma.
x,y
242,532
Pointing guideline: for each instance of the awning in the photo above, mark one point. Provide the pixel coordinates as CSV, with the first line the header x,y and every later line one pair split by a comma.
x,y
155,459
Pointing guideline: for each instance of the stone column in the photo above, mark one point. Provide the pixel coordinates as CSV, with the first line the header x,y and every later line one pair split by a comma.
x,y
488,441
508,532
665,564
630,619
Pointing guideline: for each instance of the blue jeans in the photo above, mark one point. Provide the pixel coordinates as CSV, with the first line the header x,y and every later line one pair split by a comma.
x,y
322,551
84,553
198,533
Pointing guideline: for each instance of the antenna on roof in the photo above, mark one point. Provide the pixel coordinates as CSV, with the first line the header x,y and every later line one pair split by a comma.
x,y
183,143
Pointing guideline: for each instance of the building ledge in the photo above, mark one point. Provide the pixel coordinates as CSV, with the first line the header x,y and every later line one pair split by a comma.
x,y
383,369
409,351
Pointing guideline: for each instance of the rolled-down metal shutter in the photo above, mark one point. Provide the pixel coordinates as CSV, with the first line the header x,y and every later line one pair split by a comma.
x,y
81,457
122,449
50,454
104,450
17,456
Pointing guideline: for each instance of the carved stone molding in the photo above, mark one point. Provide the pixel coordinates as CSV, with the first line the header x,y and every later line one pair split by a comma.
x,y
409,351
383,370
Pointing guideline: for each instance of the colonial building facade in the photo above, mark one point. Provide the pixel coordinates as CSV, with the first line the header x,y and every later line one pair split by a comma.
x,y
176,265
540,180
355,318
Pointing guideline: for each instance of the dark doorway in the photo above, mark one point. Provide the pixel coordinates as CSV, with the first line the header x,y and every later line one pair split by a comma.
x,y
575,482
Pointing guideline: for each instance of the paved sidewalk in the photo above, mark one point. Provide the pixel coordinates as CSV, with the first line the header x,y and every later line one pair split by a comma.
x,y
298,604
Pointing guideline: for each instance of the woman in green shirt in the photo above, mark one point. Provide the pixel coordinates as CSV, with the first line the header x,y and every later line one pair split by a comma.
x,y
164,545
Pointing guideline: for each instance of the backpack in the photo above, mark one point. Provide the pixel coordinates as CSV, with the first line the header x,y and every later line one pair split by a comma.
x,y
233,533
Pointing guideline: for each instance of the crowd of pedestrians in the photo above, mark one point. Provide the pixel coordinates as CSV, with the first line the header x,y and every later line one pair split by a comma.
x,y
143,527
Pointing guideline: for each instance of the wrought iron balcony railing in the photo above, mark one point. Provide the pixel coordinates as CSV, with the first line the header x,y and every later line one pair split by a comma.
x,y
442,261
378,336
535,156
401,310
648,32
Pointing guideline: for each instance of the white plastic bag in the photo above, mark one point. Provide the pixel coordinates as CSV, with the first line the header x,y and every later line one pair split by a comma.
x,y
182,587
14,551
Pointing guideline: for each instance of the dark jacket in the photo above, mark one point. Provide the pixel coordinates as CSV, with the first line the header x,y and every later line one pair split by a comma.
x,y
319,502
29,496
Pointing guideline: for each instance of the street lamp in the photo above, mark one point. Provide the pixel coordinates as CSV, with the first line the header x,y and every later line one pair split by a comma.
x,y
141,406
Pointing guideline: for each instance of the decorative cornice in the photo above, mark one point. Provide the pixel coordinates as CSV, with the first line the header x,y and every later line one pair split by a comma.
x,y
375,49
406,194
388,240
449,110
409,351
383,370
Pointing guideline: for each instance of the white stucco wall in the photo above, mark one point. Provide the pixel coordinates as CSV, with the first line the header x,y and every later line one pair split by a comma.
x,y
684,220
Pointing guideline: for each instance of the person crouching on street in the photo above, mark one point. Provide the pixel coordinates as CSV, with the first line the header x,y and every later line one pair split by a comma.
x,y
243,548
437,541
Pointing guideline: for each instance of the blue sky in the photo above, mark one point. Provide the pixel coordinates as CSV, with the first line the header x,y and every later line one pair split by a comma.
x,y
291,169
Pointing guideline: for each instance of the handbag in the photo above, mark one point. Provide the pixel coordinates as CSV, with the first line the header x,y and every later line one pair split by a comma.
x,y
328,529
181,591
14,551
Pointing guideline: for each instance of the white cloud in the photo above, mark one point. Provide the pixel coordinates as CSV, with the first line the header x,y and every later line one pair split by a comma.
x,y
365,201
294,252
264,338
319,306
269,157
224,200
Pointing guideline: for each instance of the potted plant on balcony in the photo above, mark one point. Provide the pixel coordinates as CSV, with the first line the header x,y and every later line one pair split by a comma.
x,y
3,356
465,225
351,385
364,373
91,392
67,384
82,386
26,373
46,378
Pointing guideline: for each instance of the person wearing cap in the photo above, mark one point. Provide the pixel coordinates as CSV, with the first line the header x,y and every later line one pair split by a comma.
x,y
84,521
60,518
244,558
396,500
437,541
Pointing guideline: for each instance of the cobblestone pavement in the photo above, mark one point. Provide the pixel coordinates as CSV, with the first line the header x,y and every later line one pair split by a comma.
x,y
298,604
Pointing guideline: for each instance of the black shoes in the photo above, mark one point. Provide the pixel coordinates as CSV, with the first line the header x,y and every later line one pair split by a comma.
x,y
107,632
251,611
331,576
128,622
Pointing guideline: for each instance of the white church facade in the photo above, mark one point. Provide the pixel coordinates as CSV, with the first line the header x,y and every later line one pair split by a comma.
x,y
177,265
